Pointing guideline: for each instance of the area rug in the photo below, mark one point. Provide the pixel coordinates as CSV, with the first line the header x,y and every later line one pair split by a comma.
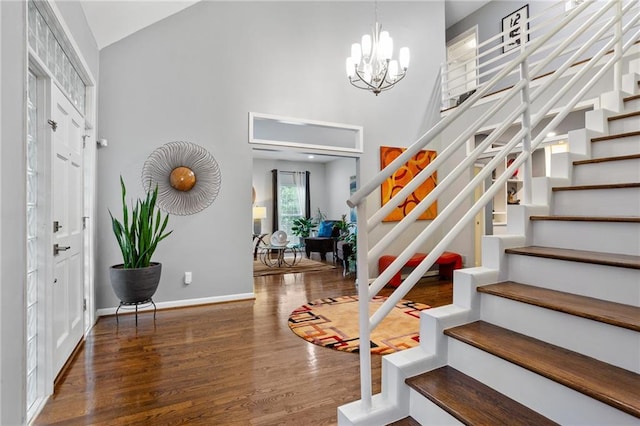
x,y
305,265
333,323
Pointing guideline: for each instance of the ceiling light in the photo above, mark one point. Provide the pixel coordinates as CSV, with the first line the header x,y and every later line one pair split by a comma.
x,y
370,66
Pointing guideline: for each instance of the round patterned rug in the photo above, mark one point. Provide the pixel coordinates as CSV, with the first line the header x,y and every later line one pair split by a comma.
x,y
333,323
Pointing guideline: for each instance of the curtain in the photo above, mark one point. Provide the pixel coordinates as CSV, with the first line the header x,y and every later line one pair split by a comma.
x,y
300,182
275,217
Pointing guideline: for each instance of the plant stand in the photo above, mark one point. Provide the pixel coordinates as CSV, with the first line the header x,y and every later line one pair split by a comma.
x,y
136,304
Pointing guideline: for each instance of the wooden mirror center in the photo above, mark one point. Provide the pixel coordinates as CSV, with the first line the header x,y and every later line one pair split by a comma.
x,y
182,178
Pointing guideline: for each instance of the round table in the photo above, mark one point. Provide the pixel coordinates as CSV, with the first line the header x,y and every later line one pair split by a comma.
x,y
285,256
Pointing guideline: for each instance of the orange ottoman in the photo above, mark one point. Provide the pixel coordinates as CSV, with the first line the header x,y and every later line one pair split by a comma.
x,y
447,262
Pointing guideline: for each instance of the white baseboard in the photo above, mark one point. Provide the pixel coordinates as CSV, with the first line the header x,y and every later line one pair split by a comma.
x,y
183,303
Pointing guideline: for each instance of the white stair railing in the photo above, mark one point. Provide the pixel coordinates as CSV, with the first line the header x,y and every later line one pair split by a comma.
x,y
608,26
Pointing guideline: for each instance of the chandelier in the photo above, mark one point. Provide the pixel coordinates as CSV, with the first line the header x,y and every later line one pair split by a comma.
x,y
370,66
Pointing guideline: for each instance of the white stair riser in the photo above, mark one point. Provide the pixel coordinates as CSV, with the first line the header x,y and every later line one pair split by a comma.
x,y
622,171
551,399
612,148
610,237
624,125
614,345
597,202
633,105
621,285
427,413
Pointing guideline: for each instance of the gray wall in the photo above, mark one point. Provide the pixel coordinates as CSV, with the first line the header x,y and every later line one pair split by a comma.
x,y
12,212
196,75
338,173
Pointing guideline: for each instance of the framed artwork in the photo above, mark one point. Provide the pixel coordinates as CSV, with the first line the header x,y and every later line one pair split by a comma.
x,y
401,177
512,30
352,190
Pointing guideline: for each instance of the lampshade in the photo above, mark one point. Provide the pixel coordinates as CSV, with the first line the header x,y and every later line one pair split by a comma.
x,y
259,212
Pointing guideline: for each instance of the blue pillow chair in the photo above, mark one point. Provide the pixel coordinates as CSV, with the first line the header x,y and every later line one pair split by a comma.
x,y
325,241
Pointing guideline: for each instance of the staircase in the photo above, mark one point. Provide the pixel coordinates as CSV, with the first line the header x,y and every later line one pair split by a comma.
x,y
547,331
558,340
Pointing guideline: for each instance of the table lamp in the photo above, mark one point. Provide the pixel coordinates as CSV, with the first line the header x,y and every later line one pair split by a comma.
x,y
259,213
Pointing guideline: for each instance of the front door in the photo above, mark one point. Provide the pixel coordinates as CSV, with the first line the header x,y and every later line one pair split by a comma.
x,y
67,127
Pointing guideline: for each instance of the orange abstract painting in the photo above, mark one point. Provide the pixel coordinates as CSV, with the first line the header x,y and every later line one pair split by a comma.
x,y
401,177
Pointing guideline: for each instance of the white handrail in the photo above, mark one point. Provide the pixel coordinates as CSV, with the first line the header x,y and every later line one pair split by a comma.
x,y
401,259
519,113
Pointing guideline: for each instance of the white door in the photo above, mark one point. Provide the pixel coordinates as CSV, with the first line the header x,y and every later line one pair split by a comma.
x,y
67,238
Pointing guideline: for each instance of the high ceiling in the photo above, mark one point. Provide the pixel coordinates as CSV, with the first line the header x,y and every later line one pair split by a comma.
x,y
113,20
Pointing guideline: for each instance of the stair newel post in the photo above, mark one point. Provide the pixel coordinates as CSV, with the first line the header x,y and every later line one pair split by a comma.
x,y
362,272
526,125
617,67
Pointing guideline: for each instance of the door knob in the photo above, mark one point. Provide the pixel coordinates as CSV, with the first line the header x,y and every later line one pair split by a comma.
x,y
57,249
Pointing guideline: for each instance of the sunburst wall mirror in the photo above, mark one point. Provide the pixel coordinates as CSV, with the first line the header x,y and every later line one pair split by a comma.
x,y
187,175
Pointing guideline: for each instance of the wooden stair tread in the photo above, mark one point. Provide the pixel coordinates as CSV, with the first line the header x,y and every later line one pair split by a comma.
x,y
472,402
615,219
609,384
615,136
600,186
631,98
606,159
407,421
623,116
625,316
599,258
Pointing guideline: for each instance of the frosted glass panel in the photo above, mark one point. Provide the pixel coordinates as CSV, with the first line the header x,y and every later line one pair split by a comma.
x,y
48,48
32,242
32,322
41,36
32,189
31,222
33,25
32,356
32,288
32,263
32,388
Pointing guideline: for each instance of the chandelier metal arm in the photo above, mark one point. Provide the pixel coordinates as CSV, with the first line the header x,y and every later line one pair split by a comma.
x,y
376,88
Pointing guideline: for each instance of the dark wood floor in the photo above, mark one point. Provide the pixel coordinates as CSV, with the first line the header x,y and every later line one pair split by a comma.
x,y
226,364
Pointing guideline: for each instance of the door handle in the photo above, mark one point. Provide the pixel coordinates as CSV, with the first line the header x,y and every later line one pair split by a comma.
x,y
57,249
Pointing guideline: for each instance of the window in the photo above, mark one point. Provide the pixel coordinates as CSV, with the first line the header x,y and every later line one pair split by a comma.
x,y
291,200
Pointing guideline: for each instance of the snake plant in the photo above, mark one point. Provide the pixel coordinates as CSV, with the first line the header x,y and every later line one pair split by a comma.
x,y
139,237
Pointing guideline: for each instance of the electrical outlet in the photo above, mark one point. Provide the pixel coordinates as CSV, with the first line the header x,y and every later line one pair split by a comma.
x,y
187,277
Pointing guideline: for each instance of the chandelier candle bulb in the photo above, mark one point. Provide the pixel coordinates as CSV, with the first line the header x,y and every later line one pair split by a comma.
x,y
371,66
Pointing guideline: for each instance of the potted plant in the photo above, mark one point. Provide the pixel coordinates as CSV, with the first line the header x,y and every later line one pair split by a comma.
x,y
137,278
351,238
302,227
343,227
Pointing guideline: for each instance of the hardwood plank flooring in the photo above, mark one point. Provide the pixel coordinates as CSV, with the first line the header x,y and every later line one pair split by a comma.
x,y
235,363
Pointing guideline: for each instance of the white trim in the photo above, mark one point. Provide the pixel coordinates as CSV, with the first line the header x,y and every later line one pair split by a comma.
x,y
183,303
25,380
358,143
